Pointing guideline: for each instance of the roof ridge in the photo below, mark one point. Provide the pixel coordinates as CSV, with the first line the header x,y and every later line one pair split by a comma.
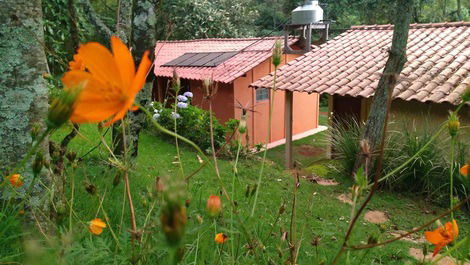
x,y
413,26
224,39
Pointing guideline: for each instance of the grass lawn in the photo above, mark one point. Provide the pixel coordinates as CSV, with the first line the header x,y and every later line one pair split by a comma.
x,y
319,213
306,151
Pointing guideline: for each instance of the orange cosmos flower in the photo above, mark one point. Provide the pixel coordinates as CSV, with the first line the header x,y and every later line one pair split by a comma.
x,y
96,226
214,205
442,236
464,170
220,238
15,180
77,63
109,84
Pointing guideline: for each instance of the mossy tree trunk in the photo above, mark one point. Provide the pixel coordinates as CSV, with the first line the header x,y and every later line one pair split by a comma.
x,y
142,37
377,120
23,96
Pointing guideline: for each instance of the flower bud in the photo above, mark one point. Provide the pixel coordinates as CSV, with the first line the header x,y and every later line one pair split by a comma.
x,y
453,124
62,108
15,180
35,131
464,170
242,126
71,156
220,238
277,53
175,82
38,163
173,221
214,205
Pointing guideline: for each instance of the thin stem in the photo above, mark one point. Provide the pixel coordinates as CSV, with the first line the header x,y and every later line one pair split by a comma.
x,y
178,154
128,187
293,223
235,170
166,131
452,249
268,139
452,160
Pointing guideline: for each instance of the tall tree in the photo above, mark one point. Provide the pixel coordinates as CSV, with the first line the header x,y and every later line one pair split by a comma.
x,y
377,120
23,92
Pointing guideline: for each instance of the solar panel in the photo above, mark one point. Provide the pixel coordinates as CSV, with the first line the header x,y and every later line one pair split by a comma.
x,y
201,59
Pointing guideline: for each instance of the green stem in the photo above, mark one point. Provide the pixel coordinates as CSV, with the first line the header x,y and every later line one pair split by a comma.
x,y
452,158
235,170
411,159
178,154
450,250
268,138
166,131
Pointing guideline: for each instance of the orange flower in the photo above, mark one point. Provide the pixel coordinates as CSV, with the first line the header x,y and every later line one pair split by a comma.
x,y
442,236
109,84
96,226
214,205
15,180
76,64
220,238
464,170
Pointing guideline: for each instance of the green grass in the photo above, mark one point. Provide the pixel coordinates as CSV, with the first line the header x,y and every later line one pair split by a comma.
x,y
306,151
320,214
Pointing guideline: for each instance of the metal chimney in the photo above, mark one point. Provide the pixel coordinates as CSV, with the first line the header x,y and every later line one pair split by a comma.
x,y
305,18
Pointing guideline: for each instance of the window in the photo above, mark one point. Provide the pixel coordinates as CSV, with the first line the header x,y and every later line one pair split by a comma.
x,y
262,94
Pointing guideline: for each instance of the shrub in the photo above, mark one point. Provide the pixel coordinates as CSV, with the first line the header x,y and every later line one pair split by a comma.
x,y
345,143
428,174
192,123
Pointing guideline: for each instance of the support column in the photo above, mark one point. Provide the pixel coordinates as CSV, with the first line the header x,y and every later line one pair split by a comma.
x,y
289,98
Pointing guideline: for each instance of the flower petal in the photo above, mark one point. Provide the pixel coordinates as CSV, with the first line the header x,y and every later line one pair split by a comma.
x,y
434,237
124,62
96,102
139,78
100,62
452,229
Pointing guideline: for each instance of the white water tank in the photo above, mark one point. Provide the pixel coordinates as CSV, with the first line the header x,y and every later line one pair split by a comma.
x,y
308,13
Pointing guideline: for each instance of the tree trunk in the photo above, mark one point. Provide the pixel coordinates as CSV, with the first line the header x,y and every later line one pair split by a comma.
x,y
95,20
23,96
378,116
143,37
124,20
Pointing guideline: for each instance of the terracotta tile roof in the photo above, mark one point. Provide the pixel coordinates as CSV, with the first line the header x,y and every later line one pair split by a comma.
x,y
252,51
438,67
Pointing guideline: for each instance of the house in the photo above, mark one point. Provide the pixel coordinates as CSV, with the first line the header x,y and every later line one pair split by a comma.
x,y
348,69
234,64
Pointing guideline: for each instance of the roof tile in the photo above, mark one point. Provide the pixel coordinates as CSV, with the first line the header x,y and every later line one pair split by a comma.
x,y
437,70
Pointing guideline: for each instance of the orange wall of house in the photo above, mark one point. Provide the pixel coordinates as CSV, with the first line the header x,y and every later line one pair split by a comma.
x,y
305,111
244,95
225,102
222,103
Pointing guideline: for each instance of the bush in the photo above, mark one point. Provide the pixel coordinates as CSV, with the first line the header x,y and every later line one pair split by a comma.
x,y
192,123
428,174
345,143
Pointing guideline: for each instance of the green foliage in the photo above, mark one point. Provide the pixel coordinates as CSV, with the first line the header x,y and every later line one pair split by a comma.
x,y
345,143
194,124
57,37
192,19
428,173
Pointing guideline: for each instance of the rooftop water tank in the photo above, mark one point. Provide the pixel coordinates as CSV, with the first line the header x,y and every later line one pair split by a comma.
x,y
310,12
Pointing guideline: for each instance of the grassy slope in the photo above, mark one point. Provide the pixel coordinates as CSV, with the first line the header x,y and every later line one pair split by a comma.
x,y
327,219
